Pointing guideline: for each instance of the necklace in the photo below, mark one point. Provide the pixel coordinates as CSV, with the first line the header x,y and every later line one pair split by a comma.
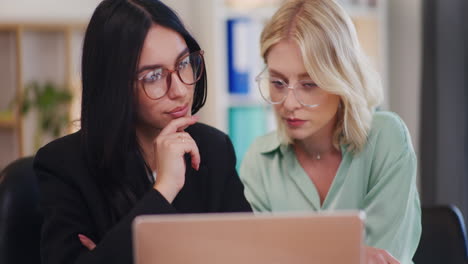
x,y
318,157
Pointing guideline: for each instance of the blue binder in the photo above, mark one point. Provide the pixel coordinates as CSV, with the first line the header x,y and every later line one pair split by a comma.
x,y
239,61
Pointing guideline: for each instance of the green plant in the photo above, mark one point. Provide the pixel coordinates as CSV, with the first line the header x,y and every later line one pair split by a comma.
x,y
51,104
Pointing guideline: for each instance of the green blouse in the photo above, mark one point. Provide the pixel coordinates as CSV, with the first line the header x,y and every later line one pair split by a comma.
x,y
380,180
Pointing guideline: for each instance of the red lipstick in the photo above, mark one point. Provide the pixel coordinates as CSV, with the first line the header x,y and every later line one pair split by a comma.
x,y
294,122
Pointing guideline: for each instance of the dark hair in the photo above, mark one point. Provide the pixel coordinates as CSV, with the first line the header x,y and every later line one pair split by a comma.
x,y
111,51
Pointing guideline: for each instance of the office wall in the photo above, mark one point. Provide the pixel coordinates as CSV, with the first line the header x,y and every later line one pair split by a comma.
x,y
27,10
405,51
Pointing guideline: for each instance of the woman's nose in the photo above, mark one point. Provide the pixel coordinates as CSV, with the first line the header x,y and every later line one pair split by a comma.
x,y
291,103
176,87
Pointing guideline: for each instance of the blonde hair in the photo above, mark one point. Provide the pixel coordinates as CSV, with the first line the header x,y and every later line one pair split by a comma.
x,y
333,58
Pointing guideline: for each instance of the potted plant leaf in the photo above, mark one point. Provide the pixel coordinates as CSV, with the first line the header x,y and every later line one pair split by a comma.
x,y
51,103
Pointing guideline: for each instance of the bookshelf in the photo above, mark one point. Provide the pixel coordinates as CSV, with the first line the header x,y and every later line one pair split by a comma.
x,y
33,52
370,18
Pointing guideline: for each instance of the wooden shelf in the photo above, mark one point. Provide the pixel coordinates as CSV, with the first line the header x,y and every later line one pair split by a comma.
x,y
43,26
9,124
7,120
33,51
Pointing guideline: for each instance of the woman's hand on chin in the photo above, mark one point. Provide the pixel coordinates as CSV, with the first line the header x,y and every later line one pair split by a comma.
x,y
170,147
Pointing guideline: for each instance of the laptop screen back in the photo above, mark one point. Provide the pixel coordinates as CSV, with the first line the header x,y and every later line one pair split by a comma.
x,y
246,238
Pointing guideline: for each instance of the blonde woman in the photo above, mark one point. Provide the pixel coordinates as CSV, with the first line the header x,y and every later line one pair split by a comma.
x,y
332,150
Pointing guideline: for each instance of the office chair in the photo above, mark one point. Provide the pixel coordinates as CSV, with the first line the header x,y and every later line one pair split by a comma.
x,y
20,219
443,238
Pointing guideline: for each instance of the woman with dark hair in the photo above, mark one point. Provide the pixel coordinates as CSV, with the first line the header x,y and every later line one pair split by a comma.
x,y
139,150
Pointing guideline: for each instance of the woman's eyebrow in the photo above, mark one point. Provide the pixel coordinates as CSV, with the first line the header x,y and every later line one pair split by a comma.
x,y
277,73
304,75
146,67
153,66
182,53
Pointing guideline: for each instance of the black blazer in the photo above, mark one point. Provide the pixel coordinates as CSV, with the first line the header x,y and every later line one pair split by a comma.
x,y
72,203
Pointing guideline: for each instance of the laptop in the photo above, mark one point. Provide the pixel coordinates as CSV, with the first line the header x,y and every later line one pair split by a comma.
x,y
240,238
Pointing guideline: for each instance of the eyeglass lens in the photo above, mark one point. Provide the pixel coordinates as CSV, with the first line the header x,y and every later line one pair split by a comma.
x,y
275,91
188,69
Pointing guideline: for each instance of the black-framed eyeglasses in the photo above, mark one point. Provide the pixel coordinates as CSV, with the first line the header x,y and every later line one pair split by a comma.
x,y
157,81
275,90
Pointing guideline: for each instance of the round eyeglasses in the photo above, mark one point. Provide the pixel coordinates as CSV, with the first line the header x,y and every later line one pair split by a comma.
x,y
157,81
275,90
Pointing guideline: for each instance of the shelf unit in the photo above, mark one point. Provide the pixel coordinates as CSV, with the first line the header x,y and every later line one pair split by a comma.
x,y
39,52
370,18
7,120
